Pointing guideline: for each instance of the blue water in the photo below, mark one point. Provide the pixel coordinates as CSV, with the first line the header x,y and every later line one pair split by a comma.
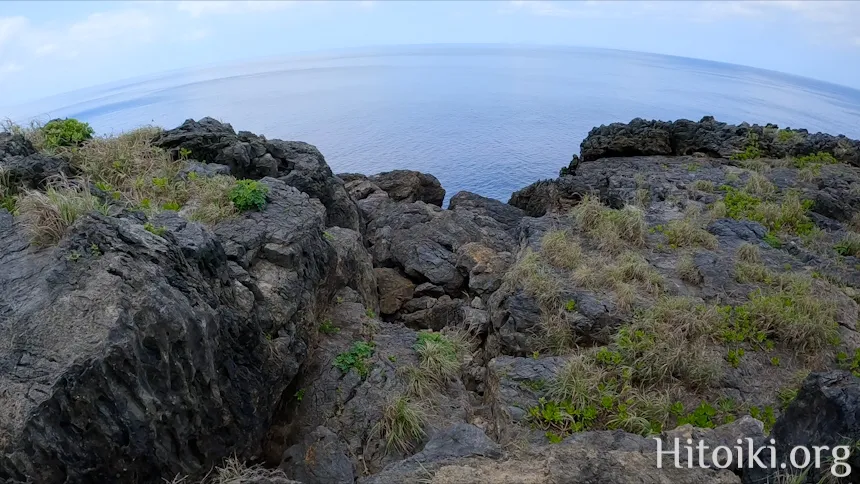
x,y
488,119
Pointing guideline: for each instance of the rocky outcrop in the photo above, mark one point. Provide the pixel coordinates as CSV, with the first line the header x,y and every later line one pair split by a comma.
x,y
410,186
250,156
826,412
24,166
131,356
640,137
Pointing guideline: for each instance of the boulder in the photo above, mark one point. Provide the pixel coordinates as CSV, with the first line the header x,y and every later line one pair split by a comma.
x,y
508,216
826,412
24,166
410,186
394,290
250,156
485,267
320,458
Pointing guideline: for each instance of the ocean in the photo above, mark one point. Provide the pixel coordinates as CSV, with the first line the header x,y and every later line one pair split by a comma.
x,y
484,118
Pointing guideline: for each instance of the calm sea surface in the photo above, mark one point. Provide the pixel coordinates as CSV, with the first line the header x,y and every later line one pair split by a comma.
x,y
488,119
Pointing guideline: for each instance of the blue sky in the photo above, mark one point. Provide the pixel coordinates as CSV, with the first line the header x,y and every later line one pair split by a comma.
x,y
47,48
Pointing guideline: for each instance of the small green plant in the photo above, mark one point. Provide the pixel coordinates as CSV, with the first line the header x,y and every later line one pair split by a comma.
x,y
94,250
299,395
766,416
774,360
702,417
570,306
734,357
608,357
392,358
370,313
786,396
73,256
328,236
184,154
787,136
850,364
819,158
535,354
772,240
327,327
562,417
66,132
159,231
553,437
355,358
751,150
849,245
171,206
249,195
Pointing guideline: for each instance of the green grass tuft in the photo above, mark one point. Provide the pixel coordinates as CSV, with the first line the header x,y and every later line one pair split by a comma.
x,y
249,195
48,215
402,424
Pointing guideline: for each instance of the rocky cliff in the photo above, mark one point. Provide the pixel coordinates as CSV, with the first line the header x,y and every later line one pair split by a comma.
x,y
199,304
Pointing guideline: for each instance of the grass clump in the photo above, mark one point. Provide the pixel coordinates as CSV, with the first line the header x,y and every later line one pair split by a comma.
x,y
687,233
787,215
356,358
536,278
328,328
560,250
760,186
849,245
611,229
49,214
7,192
249,195
402,424
687,269
749,253
704,186
66,132
440,354
159,231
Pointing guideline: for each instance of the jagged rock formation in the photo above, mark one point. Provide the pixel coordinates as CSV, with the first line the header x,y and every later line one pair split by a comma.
x,y
292,336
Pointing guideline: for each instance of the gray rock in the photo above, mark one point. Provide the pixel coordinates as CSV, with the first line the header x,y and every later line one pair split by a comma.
x,y
321,458
394,290
444,312
508,216
725,435
486,268
410,186
515,317
354,268
250,156
515,384
825,412
206,170
26,167
428,289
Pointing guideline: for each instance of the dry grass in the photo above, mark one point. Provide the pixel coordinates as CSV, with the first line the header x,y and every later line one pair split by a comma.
x,y
704,186
687,233
32,131
854,224
612,230
687,270
760,186
749,253
536,278
560,250
48,215
402,424
234,471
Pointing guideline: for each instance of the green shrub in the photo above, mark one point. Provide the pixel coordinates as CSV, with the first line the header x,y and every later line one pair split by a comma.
x,y
702,417
355,358
249,195
819,158
327,327
751,150
66,132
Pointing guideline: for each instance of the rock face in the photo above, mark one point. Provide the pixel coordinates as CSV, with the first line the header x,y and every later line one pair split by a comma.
x,y
410,186
825,412
23,165
250,156
640,137
181,361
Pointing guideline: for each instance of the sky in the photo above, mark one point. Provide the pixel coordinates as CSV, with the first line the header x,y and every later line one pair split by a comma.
x,y
48,48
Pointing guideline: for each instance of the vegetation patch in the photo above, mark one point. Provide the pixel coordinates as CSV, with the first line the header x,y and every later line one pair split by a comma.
x,y
249,195
48,215
66,132
328,328
788,215
687,233
849,245
402,424
611,229
814,160
356,358
751,150
560,250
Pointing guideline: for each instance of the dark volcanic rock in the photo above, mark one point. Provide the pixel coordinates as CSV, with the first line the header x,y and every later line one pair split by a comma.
x,y
321,458
825,412
250,156
145,358
410,186
394,290
641,137
24,166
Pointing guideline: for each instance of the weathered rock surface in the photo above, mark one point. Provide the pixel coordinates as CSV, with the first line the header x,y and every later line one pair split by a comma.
x,y
410,186
640,137
176,365
250,156
24,166
826,412
394,290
